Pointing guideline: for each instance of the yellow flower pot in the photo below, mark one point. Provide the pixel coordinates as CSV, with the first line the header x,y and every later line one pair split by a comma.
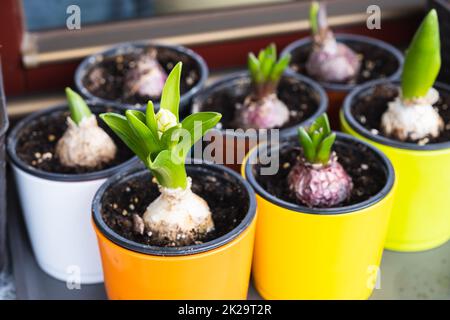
x,y
308,253
421,214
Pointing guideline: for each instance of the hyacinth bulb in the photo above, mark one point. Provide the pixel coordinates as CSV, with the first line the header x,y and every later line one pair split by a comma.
x,y
179,215
318,179
262,109
147,78
414,120
266,113
411,116
329,60
318,185
84,143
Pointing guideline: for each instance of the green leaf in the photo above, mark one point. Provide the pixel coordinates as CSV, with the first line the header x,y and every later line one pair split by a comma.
x,y
169,170
279,68
119,124
316,138
313,12
201,122
321,122
267,66
170,97
171,137
78,107
324,151
150,118
423,59
198,124
261,56
253,67
271,51
307,145
136,121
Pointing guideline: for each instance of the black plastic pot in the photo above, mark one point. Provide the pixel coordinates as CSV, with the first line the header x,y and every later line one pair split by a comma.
x,y
3,128
238,85
443,10
173,54
390,64
139,271
56,206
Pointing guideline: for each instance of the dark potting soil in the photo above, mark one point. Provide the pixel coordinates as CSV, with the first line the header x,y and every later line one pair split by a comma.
x,y
376,62
112,88
37,143
368,109
301,100
367,173
227,201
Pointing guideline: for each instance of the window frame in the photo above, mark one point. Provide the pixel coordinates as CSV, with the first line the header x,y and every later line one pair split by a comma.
x,y
53,56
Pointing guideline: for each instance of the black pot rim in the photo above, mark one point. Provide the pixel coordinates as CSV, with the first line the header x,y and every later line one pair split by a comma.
x,y
12,140
171,251
322,107
89,60
443,3
354,208
4,122
346,37
355,125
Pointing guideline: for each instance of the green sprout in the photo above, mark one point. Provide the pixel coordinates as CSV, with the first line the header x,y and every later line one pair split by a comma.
x,y
265,70
317,140
77,106
423,59
160,140
313,12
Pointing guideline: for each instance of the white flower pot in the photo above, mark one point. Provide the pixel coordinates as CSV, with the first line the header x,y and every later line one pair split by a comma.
x,y
57,213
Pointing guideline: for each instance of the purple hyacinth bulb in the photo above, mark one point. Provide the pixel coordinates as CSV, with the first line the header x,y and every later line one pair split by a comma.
x,y
320,186
331,61
266,113
147,78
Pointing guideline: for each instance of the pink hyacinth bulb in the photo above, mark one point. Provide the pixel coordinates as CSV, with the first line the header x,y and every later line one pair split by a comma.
x,y
329,60
147,78
333,62
320,186
266,113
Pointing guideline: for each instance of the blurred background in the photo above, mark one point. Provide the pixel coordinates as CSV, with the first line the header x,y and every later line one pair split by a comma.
x,y
39,53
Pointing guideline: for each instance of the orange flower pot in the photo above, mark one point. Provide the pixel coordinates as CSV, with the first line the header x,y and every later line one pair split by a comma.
x,y
216,269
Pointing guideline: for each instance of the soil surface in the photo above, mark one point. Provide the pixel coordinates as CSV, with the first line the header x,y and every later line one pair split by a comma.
x,y
369,108
365,169
37,143
113,70
376,62
300,98
228,203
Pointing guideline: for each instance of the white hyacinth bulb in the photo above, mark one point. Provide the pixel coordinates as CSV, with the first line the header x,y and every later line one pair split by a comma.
x,y
85,144
415,119
178,215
